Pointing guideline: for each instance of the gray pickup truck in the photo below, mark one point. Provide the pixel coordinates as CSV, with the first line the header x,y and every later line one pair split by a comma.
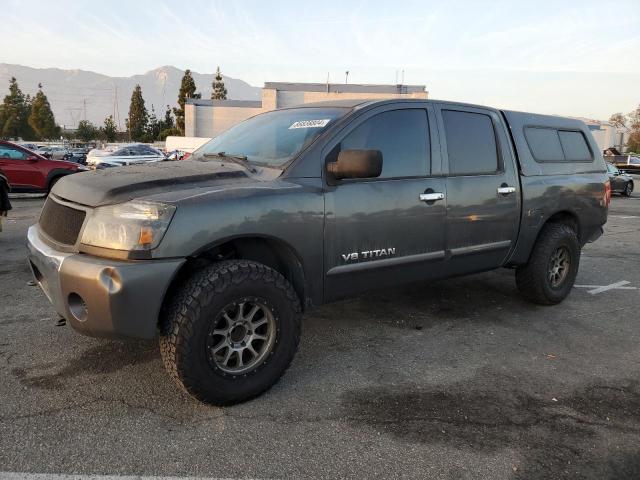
x,y
221,254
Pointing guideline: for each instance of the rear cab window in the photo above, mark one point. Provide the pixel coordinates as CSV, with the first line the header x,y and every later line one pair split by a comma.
x,y
471,143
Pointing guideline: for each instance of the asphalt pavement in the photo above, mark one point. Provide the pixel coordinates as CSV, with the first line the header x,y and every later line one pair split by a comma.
x,y
456,379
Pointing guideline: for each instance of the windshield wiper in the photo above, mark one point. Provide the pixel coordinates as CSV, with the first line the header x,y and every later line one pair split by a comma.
x,y
239,159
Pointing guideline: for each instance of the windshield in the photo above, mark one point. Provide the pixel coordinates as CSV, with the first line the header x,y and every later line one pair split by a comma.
x,y
274,138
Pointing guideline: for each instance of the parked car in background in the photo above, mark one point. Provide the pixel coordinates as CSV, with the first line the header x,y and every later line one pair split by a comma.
x,y
177,155
625,163
54,153
620,181
29,172
30,146
78,155
127,155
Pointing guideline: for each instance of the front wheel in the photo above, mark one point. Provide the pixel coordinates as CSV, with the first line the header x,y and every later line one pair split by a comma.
x,y
230,332
550,273
628,189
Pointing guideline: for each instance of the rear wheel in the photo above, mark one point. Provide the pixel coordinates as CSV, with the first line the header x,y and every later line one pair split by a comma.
x,y
552,268
628,189
231,331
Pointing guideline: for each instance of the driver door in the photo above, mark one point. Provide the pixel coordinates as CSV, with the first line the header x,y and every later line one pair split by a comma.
x,y
21,172
380,232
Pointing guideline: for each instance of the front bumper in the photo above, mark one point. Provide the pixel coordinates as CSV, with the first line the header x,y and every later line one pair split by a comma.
x,y
101,297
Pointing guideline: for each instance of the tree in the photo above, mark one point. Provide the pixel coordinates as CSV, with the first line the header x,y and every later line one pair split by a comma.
x,y
169,132
618,120
86,131
41,118
168,119
109,130
187,90
633,122
154,127
14,113
219,91
138,116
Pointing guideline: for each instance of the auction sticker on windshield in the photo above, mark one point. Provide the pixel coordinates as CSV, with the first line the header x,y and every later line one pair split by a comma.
x,y
310,123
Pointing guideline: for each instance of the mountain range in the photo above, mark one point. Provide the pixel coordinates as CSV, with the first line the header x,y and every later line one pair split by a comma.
x,y
76,95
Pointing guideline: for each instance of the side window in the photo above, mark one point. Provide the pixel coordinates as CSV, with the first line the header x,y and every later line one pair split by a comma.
x,y
12,153
403,138
471,143
551,145
544,144
574,146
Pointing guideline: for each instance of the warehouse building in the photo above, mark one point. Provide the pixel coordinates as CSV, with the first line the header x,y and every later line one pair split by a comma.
x,y
607,135
208,118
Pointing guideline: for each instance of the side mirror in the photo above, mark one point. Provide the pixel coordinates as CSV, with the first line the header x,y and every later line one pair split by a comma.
x,y
356,164
32,158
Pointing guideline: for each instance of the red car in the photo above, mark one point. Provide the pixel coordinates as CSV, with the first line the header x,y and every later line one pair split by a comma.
x,y
29,172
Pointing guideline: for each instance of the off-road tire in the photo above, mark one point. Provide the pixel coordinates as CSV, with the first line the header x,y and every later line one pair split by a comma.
x,y
533,278
187,318
628,189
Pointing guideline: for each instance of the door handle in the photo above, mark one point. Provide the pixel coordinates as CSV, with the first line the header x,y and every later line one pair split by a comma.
x,y
431,197
506,190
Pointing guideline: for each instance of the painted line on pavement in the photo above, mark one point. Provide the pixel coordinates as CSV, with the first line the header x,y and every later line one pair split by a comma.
x,y
55,476
595,289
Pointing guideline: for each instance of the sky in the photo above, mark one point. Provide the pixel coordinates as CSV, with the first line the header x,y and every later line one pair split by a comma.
x,y
575,58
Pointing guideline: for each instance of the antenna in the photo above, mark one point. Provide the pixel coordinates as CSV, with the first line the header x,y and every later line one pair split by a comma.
x,y
116,108
346,77
74,121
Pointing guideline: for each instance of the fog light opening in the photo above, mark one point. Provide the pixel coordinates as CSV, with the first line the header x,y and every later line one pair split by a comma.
x,y
77,307
36,272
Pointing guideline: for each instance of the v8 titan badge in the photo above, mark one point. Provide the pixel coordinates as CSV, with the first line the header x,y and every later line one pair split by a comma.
x,y
368,254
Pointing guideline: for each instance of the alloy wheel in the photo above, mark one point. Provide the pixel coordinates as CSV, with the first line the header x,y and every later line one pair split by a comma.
x,y
559,265
241,336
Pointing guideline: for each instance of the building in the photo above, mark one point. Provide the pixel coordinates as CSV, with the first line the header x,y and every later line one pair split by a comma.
x,y
607,135
208,118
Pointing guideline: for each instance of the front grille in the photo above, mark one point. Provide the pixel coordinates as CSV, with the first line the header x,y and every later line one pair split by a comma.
x,y
61,223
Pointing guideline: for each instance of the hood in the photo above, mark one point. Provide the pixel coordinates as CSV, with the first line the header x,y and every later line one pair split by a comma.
x,y
120,184
64,164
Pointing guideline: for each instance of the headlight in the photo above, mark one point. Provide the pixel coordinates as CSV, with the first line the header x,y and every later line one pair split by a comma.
x,y
135,225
